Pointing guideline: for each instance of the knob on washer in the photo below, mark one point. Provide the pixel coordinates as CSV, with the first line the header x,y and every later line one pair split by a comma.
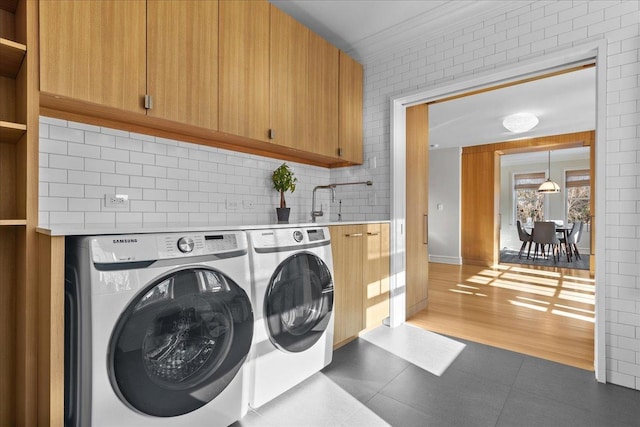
x,y
297,236
186,244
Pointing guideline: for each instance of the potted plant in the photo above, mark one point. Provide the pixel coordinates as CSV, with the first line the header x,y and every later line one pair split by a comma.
x,y
283,180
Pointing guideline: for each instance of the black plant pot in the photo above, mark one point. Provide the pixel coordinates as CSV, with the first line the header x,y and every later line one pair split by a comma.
x,y
283,215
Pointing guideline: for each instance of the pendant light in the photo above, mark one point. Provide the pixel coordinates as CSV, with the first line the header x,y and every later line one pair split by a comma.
x,y
549,186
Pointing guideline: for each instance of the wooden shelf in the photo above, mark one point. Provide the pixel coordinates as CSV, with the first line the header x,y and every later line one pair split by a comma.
x,y
12,222
10,132
12,54
8,5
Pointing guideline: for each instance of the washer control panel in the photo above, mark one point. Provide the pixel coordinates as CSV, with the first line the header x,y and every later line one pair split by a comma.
x,y
146,247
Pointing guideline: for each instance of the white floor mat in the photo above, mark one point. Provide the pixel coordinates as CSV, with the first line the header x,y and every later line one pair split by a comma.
x,y
427,350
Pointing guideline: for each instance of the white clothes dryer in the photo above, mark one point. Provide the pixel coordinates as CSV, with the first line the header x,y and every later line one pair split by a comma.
x,y
158,328
292,284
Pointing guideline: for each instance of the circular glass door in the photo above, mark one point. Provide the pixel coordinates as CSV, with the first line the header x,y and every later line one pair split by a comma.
x,y
299,302
180,342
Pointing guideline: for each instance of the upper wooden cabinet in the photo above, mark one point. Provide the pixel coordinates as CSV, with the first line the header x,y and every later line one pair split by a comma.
x,y
113,52
350,109
304,87
182,61
244,68
240,75
94,51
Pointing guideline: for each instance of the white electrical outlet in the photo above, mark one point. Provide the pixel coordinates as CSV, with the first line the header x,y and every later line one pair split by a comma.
x,y
116,201
247,204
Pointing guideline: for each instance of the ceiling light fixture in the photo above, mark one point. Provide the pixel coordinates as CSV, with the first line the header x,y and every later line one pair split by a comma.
x,y
549,186
520,122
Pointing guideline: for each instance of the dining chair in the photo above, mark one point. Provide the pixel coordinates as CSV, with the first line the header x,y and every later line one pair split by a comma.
x,y
544,236
525,238
572,240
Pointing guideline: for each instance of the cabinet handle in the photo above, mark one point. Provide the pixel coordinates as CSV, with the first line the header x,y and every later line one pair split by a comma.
x,y
148,102
426,229
353,235
372,234
339,152
272,134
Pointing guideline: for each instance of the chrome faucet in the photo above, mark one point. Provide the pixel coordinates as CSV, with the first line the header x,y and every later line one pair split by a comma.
x,y
316,213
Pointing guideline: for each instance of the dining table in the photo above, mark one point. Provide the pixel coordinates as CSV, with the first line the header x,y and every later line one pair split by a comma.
x,y
560,229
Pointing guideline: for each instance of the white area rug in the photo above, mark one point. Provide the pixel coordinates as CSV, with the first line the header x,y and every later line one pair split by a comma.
x,y
427,350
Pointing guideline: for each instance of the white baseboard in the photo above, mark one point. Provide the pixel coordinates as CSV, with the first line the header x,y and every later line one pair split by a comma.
x,y
445,259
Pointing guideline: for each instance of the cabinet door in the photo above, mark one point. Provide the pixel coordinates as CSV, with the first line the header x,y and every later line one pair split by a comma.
x,y
376,274
94,51
321,133
288,79
244,68
182,61
417,207
350,109
304,87
347,249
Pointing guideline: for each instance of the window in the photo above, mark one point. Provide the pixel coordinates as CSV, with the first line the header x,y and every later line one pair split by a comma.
x,y
529,204
578,195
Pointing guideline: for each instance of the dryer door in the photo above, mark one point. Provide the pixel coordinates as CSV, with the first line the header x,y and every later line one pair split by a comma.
x,y
180,342
299,302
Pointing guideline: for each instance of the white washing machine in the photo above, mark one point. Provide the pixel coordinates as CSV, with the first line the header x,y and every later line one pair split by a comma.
x,y
158,329
292,279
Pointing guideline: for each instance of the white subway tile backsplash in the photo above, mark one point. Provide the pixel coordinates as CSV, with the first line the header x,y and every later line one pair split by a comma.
x,y
113,154
128,168
66,134
66,190
99,165
142,158
154,147
53,146
84,205
142,182
53,175
95,138
124,143
128,217
115,180
83,177
154,171
53,203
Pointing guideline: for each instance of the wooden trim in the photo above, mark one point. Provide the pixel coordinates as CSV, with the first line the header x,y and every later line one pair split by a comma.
x,y
543,143
50,313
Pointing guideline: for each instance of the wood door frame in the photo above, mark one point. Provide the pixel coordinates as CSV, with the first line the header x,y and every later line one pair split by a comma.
x,y
595,51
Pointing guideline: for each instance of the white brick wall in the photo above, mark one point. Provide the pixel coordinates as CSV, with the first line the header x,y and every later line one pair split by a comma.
x,y
532,29
167,181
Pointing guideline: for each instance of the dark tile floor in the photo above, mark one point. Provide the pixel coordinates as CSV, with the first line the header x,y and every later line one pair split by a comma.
x,y
484,386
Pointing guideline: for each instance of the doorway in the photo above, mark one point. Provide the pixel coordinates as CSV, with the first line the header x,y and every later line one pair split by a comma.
x,y
537,67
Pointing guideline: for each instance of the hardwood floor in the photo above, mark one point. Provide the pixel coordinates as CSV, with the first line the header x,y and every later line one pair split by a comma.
x,y
539,311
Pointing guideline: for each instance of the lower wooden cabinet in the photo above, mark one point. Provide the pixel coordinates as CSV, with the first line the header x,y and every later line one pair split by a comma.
x,y
361,278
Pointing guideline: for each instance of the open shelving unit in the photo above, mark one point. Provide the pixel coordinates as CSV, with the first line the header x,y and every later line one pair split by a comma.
x,y
19,112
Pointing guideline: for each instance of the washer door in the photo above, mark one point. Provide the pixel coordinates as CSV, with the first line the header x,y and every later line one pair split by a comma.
x,y
180,342
299,302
